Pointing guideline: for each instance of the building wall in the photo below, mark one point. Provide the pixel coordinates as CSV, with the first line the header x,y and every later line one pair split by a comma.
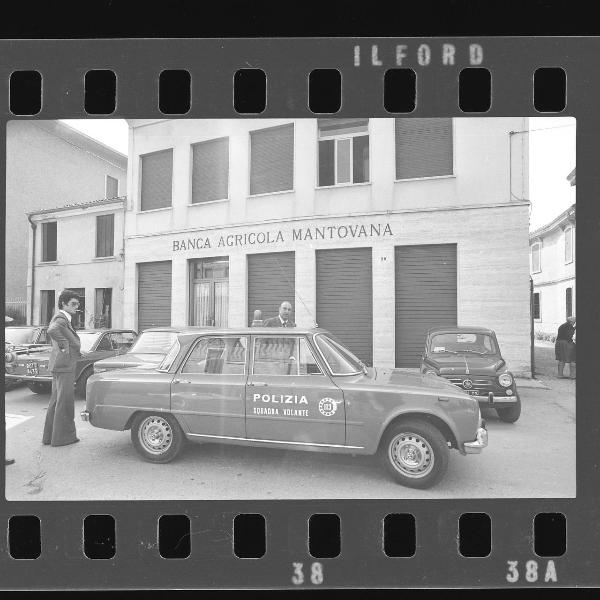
x,y
44,170
76,265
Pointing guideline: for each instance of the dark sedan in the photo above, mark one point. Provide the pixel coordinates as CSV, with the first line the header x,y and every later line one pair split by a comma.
x,y
470,358
95,345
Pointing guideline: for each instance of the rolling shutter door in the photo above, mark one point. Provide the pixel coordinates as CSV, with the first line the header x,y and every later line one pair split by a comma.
x,y
271,281
345,298
154,294
425,296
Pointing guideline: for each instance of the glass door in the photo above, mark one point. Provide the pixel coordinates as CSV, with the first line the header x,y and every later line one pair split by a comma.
x,y
209,302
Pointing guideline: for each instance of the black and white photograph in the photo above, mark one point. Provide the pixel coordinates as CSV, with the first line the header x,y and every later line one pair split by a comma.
x,y
294,308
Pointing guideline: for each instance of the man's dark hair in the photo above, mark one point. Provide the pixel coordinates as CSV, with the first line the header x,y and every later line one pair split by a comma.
x,y
65,297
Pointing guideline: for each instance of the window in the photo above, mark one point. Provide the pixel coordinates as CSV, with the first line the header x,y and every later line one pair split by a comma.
x,y
218,356
338,358
568,245
272,160
423,148
283,356
49,241
569,302
210,171
536,258
157,175
105,235
343,151
112,187
536,306
102,308
47,304
119,341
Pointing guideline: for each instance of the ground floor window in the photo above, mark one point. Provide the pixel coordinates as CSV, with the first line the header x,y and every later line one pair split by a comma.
x,y
569,301
47,306
78,319
102,317
209,291
536,305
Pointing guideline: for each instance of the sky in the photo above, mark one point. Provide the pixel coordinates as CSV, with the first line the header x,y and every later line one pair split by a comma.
x,y
551,159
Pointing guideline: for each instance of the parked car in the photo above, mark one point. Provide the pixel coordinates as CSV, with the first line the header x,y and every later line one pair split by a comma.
x,y
470,358
287,389
95,345
18,340
149,349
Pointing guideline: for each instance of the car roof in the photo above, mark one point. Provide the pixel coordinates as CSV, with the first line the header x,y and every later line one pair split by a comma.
x,y
180,329
274,331
461,329
24,326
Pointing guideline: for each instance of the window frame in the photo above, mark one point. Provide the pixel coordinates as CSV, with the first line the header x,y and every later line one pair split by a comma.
x,y
194,345
191,177
249,176
106,186
539,317
569,230
539,245
568,300
96,255
298,336
42,245
336,138
448,176
141,157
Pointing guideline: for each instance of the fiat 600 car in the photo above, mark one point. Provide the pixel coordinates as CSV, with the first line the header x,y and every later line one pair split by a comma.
x,y
19,340
469,357
95,344
292,390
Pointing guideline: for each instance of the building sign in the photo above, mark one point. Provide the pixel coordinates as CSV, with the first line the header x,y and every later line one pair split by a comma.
x,y
296,234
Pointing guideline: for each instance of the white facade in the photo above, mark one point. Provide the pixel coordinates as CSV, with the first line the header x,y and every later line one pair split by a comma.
x,y
553,273
76,265
481,207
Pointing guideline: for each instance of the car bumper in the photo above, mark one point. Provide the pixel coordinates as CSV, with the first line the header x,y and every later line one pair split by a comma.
x,y
85,415
493,399
23,377
479,444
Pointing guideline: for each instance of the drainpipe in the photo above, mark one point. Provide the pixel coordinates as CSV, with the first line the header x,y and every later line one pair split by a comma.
x,y
33,229
531,331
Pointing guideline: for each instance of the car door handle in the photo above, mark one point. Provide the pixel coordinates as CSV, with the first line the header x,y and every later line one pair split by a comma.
x,y
258,384
181,381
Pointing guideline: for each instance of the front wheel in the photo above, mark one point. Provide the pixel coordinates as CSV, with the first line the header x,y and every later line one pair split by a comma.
x,y
415,453
157,437
510,413
39,387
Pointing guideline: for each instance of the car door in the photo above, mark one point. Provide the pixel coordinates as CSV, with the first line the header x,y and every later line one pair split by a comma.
x,y
208,390
289,397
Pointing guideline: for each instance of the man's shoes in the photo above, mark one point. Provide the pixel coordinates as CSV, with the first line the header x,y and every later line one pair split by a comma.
x,y
9,461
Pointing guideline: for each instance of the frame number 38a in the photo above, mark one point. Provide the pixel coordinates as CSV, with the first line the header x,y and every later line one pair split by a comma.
x,y
316,573
532,572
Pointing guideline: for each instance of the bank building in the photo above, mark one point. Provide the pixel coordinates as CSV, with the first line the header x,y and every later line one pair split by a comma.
x,y
375,229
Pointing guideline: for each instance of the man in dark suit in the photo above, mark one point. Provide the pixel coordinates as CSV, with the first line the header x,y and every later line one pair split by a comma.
x,y
59,428
283,319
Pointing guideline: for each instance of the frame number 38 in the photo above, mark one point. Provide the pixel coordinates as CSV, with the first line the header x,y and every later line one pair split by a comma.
x,y
316,573
532,573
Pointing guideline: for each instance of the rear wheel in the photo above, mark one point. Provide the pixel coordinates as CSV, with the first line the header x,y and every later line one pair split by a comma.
x,y
39,387
415,453
157,437
510,414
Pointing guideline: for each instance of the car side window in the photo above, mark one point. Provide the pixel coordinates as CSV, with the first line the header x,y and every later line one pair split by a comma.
x,y
308,364
104,344
218,356
42,338
122,340
276,355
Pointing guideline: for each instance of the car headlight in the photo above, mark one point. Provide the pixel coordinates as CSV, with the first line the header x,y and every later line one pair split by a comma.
x,y
10,357
505,379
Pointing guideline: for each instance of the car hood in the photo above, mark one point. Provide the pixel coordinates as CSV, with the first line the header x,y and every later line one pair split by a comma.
x,y
471,364
123,361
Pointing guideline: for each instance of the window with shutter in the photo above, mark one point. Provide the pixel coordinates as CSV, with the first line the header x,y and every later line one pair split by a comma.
x,y
272,160
536,306
568,245
423,148
569,302
105,235
157,176
112,187
49,241
210,171
536,259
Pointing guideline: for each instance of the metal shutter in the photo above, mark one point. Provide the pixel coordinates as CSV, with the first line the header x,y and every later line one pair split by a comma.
x,y
272,159
210,171
425,296
271,281
423,148
154,294
345,298
157,175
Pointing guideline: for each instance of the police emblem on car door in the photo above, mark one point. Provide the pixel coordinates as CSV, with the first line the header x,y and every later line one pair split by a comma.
x,y
289,397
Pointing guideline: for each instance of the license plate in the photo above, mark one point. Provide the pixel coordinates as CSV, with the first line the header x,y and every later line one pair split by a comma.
x,y
473,392
32,368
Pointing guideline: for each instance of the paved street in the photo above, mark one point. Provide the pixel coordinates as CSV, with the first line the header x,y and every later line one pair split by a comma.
x,y
534,457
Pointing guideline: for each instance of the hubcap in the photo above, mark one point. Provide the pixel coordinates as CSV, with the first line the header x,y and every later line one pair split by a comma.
x,y
156,435
411,455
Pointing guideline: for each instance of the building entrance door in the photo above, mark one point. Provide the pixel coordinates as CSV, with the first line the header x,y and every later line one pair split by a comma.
x,y
209,302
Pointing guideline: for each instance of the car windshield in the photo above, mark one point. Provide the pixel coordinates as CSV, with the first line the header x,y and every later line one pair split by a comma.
x,y
167,361
88,339
154,342
339,359
19,335
455,343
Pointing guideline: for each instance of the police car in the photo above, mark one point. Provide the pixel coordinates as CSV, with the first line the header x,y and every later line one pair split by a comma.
x,y
297,389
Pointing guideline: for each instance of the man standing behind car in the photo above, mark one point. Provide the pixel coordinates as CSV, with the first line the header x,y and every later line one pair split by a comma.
x,y
283,319
59,428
